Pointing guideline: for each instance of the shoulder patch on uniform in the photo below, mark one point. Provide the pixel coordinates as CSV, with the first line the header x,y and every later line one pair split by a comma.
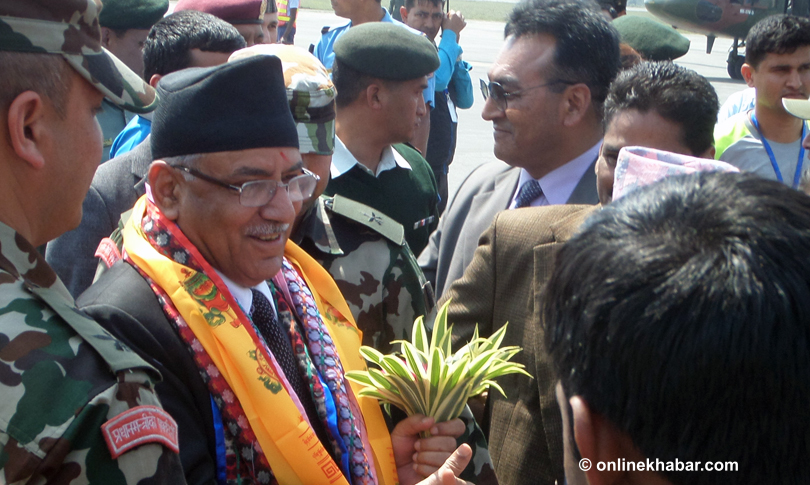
x,y
139,426
369,217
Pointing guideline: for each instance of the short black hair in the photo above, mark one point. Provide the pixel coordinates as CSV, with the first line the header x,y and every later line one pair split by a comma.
x,y
677,94
587,48
777,34
349,83
679,314
170,41
410,3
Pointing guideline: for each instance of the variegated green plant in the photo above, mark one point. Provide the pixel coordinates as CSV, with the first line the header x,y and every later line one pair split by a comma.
x,y
429,378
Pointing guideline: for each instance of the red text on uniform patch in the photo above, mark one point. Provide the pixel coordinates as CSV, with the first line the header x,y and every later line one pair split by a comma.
x,y
138,426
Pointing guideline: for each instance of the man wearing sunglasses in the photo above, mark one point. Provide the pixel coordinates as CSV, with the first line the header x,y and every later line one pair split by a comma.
x,y
544,97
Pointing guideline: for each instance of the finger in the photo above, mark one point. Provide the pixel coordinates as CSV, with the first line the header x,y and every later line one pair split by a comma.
x,y
454,428
436,443
433,459
453,467
413,425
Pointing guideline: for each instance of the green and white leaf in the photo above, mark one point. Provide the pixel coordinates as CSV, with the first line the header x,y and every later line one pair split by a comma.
x,y
428,378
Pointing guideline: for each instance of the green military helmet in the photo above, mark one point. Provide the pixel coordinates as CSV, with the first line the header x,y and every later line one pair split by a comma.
x,y
132,14
71,28
387,51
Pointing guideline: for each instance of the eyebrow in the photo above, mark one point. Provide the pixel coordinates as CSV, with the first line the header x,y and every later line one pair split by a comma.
x,y
299,165
506,80
253,171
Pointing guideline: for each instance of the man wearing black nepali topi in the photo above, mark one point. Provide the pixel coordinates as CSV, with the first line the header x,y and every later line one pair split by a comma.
x,y
252,373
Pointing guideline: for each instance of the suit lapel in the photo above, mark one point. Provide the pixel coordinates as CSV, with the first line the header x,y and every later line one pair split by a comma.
x,y
585,191
141,159
483,208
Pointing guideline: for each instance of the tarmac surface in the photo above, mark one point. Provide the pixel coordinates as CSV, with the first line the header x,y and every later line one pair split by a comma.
x,y
481,41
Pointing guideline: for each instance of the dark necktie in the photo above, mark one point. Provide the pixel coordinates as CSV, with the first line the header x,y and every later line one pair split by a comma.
x,y
278,340
528,193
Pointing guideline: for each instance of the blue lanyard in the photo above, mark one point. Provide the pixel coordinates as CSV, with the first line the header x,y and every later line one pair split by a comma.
x,y
768,149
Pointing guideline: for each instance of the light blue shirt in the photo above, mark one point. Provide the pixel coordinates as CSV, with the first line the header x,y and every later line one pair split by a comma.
x,y
325,50
132,135
559,184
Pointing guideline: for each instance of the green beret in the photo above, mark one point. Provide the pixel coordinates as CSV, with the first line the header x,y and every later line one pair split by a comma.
x,y
132,14
387,51
653,40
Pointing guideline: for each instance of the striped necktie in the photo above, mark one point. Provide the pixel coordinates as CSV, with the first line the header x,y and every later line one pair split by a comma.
x,y
529,192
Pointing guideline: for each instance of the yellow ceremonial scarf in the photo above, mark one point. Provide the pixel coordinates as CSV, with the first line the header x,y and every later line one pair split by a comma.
x,y
292,448
347,338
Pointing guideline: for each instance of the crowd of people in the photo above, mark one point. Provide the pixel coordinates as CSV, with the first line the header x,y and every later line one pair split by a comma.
x,y
201,223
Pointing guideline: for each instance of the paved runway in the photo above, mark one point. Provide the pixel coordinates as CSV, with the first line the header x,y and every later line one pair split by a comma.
x,y
481,41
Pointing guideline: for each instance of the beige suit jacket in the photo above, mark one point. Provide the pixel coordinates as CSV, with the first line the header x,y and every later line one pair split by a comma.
x,y
504,283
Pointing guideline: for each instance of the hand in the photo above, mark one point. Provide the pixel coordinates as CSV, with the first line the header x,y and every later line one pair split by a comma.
x,y
449,472
415,457
454,21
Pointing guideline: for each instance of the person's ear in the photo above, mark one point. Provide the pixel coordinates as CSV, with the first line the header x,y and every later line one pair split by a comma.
x,y
403,12
154,79
28,128
576,101
106,37
165,182
747,71
375,96
598,441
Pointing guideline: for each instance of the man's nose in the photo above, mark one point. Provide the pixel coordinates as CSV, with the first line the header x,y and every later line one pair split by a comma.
x,y
491,110
280,208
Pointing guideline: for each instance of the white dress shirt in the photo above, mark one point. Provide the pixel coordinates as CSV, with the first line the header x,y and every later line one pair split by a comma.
x,y
343,161
244,296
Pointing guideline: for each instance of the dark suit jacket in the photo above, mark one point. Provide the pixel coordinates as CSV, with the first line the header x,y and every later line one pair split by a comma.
x,y
122,302
504,283
113,192
485,192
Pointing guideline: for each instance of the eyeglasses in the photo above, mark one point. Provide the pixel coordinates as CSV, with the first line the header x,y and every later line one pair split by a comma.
x,y
257,193
500,96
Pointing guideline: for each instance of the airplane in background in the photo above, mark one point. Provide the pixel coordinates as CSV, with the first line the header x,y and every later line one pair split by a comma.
x,y
723,18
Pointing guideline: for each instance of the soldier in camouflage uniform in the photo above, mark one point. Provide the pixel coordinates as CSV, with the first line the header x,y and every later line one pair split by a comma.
x,y
76,406
362,249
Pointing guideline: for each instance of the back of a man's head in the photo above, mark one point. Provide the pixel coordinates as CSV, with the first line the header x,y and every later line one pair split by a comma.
x,y
675,93
679,314
587,48
171,40
778,34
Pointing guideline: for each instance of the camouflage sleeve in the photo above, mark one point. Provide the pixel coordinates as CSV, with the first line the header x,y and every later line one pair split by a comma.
x,y
56,393
384,290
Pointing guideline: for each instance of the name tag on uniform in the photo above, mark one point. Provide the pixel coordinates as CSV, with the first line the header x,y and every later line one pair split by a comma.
x,y
139,426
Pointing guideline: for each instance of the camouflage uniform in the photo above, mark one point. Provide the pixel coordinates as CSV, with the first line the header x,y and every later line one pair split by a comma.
x,y
366,254
61,378
76,406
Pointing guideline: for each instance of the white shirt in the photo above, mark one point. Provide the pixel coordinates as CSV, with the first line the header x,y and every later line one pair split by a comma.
x,y
343,161
244,296
559,184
